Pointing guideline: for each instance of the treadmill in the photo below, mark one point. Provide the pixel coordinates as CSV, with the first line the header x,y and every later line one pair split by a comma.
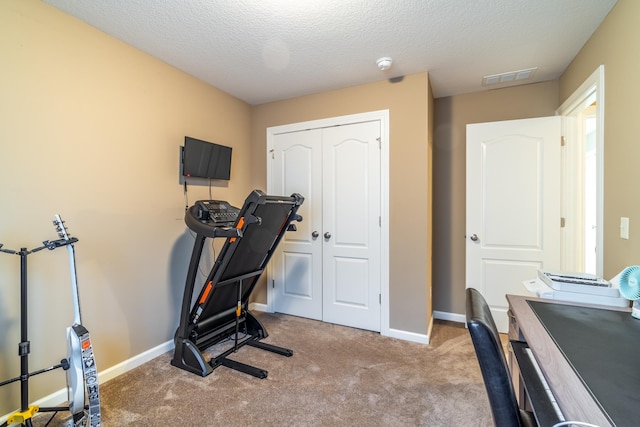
x,y
221,310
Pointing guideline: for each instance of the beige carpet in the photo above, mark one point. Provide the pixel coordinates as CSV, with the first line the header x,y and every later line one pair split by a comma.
x,y
337,376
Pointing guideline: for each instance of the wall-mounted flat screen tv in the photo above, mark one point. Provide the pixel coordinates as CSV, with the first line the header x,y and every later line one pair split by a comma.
x,y
205,159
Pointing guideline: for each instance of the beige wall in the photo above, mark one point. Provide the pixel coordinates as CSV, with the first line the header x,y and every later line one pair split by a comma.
x,y
451,115
615,44
409,116
91,129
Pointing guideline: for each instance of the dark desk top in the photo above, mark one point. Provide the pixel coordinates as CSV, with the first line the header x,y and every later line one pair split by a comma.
x,y
603,348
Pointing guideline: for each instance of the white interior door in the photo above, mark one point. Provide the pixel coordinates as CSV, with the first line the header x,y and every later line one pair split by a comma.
x,y
330,269
351,225
513,207
296,267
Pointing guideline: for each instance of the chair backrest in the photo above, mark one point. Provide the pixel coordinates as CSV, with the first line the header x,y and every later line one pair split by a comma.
x,y
493,364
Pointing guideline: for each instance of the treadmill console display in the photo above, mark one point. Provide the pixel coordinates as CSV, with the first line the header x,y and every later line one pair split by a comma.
x,y
216,211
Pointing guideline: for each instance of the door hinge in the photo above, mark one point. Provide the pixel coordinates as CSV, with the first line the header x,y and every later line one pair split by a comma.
x,y
380,298
563,141
273,284
379,221
562,221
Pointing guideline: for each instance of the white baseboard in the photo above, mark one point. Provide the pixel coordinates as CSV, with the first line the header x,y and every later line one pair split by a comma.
x,y
60,397
424,339
408,336
393,333
134,362
256,306
453,317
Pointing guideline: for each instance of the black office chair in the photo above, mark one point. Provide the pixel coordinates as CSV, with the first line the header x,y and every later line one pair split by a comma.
x,y
493,364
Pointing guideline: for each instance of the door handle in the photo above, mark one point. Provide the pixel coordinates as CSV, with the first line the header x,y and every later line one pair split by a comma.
x,y
327,235
315,234
474,237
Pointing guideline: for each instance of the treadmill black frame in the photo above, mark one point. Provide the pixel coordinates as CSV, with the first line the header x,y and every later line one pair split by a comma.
x,y
221,309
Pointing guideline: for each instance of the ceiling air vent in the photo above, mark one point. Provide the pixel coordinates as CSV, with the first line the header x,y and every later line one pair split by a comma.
x,y
509,77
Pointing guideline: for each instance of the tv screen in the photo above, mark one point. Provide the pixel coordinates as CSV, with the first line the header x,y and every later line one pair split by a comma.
x,y
205,159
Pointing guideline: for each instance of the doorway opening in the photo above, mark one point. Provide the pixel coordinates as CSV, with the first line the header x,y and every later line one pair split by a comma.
x,y
583,177
590,176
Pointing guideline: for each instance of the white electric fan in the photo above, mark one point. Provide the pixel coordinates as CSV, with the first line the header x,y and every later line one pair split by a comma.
x,y
630,287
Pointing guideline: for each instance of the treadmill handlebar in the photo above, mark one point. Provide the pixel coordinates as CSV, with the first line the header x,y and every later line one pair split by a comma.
x,y
206,228
209,229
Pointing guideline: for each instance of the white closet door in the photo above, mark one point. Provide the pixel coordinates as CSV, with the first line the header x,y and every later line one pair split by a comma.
x,y
297,264
330,269
351,225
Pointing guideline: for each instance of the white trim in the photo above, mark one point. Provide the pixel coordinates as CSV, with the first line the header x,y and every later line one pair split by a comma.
x,y
392,333
135,361
595,82
59,397
408,336
383,117
453,317
256,306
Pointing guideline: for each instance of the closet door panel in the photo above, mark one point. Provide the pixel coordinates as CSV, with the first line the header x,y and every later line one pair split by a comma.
x,y
351,229
297,264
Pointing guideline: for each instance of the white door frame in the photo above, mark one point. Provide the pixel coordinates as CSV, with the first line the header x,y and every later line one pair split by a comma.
x,y
383,117
594,83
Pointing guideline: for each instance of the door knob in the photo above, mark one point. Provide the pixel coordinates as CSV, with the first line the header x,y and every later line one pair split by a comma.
x,y
327,235
315,234
474,237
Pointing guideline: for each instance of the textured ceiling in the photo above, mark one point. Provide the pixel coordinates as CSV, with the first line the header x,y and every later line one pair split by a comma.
x,y
267,50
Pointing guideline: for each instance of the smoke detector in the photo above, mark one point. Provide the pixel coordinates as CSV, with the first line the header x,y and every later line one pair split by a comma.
x,y
384,63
